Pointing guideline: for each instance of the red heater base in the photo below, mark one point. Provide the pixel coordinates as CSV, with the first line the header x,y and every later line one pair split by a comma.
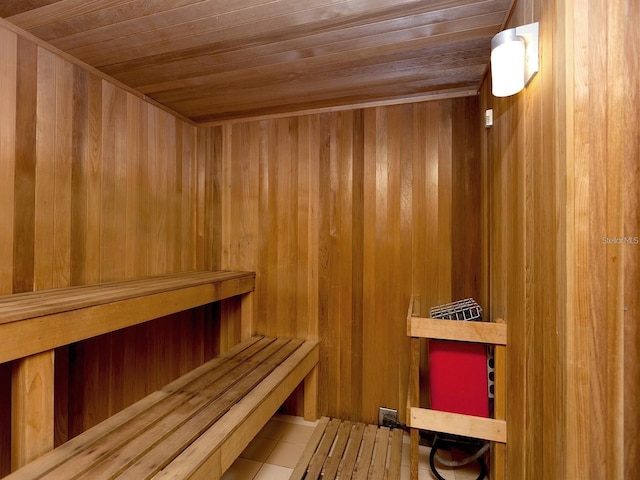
x,y
458,377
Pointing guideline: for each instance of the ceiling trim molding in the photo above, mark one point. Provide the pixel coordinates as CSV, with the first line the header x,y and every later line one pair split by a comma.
x,y
417,98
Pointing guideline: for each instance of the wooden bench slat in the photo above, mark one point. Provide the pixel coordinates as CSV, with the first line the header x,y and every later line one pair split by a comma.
x,y
345,470
395,459
300,470
333,462
380,454
363,463
317,462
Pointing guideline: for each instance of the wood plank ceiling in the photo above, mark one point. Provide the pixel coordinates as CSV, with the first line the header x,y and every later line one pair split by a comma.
x,y
215,60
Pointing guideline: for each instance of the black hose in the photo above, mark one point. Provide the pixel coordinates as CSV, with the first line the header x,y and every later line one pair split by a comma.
x,y
479,457
464,461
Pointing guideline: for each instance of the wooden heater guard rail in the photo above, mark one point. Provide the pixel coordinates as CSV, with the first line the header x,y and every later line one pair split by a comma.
x,y
492,429
33,324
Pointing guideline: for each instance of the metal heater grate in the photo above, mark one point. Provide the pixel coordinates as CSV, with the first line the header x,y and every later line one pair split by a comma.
x,y
466,310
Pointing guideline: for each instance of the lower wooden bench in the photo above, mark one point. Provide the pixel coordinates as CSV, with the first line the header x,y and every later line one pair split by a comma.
x,y
195,427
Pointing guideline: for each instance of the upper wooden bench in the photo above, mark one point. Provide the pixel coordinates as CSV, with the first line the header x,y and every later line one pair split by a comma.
x,y
40,321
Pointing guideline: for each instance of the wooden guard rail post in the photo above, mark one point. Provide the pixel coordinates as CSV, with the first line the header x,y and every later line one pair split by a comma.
x,y
33,324
492,429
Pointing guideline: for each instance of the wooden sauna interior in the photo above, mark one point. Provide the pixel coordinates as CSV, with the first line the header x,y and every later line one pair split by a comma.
x,y
348,176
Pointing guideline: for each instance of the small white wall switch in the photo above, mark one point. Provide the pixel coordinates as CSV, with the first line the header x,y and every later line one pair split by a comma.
x,y
488,117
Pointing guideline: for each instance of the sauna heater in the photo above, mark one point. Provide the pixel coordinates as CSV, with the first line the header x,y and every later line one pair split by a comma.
x,y
458,371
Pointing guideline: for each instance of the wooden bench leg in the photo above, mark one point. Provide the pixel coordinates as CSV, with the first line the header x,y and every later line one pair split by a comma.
x,y
246,316
32,418
236,321
413,453
311,395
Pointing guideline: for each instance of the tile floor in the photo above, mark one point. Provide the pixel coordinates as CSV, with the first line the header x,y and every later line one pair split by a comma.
x,y
273,454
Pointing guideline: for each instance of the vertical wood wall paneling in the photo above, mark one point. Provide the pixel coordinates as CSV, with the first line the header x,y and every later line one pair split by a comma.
x,y
563,176
115,370
370,263
377,316
94,182
79,174
174,185
498,451
326,336
137,235
203,149
357,321
8,105
401,132
97,185
601,198
111,233
465,191
307,186
63,178
521,226
287,201
445,193
424,196
208,212
70,214
590,200
617,77
186,215
340,257
228,330
157,188
550,170
541,259
44,227
348,224
25,143
630,152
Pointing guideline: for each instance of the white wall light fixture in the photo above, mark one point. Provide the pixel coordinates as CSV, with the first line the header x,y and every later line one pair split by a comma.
x,y
514,59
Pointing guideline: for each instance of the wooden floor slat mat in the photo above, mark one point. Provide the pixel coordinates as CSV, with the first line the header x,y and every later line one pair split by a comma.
x,y
345,450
